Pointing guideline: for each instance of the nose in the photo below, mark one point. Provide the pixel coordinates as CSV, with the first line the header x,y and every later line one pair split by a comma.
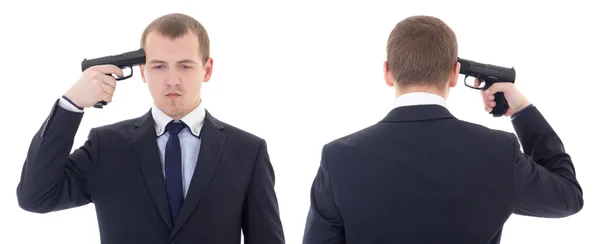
x,y
173,78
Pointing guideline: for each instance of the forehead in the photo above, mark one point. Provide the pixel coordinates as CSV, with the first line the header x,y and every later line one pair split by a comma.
x,y
159,46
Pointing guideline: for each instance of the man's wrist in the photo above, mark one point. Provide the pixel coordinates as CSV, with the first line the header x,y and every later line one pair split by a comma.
x,y
71,102
521,111
68,104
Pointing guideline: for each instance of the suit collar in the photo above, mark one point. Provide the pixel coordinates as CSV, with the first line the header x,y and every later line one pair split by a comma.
x,y
418,113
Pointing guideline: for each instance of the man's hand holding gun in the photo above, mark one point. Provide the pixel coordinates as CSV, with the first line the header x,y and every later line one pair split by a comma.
x,y
97,84
500,96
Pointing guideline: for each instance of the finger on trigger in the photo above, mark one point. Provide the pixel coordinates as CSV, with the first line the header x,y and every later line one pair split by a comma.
x,y
118,71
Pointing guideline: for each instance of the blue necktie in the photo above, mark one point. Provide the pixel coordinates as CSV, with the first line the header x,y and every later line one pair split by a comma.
x,y
173,163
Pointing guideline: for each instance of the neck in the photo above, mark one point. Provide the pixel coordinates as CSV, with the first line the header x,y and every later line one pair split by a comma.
x,y
433,90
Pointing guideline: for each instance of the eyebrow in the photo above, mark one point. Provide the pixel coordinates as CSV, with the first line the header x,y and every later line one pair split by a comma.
x,y
185,61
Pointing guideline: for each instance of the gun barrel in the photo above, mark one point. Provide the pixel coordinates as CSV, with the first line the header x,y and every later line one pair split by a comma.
x,y
128,59
476,69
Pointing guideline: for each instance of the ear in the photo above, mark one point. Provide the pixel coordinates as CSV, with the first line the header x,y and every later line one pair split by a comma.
x,y
455,74
388,76
142,73
208,69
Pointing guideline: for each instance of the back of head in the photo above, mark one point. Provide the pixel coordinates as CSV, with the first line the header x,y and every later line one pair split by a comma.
x,y
422,51
176,25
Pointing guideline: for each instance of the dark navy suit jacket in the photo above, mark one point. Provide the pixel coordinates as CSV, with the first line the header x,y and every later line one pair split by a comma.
x,y
423,176
118,169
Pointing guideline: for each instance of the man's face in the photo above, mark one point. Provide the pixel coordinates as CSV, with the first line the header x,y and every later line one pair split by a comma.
x,y
174,72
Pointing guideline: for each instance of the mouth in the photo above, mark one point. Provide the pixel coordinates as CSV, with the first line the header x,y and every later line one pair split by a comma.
x,y
173,95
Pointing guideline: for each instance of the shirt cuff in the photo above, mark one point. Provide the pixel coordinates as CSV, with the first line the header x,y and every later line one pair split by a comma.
x,y
67,104
521,111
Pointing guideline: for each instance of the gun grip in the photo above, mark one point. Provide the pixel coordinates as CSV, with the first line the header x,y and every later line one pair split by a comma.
x,y
501,105
101,104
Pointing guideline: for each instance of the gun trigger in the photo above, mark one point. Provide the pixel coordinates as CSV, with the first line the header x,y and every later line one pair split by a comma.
x,y
126,77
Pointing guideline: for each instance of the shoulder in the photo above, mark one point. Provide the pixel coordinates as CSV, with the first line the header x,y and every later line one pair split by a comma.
x,y
233,133
354,140
239,135
242,143
482,131
487,142
126,125
246,147
119,131
123,125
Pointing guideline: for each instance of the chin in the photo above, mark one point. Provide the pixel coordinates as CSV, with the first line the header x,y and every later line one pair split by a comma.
x,y
173,108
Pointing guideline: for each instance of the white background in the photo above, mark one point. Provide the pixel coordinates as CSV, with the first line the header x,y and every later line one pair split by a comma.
x,y
298,74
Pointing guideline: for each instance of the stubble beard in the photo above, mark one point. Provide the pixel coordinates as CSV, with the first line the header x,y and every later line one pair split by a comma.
x,y
175,109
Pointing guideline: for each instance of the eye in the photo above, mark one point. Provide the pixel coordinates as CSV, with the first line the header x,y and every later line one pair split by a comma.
x,y
158,67
186,67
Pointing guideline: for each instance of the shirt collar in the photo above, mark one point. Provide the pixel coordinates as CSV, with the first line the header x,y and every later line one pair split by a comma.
x,y
419,98
194,120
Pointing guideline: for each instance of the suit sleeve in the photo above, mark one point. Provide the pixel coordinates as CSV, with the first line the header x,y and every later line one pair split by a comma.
x,y
544,176
262,223
52,178
324,224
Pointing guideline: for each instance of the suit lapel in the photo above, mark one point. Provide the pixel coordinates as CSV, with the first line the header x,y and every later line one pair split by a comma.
x,y
146,148
211,146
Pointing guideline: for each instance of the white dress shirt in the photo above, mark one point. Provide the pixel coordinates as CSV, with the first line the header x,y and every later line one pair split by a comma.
x,y
189,137
419,98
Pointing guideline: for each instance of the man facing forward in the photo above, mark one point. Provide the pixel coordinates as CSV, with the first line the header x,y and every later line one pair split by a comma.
x,y
174,175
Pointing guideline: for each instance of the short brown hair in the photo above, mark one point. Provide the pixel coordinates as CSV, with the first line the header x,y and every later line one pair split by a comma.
x,y
422,50
176,25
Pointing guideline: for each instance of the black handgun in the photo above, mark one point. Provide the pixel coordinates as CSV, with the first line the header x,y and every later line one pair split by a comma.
x,y
487,75
124,60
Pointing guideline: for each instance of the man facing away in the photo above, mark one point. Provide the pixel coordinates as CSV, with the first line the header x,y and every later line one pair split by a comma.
x,y
175,174
421,175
